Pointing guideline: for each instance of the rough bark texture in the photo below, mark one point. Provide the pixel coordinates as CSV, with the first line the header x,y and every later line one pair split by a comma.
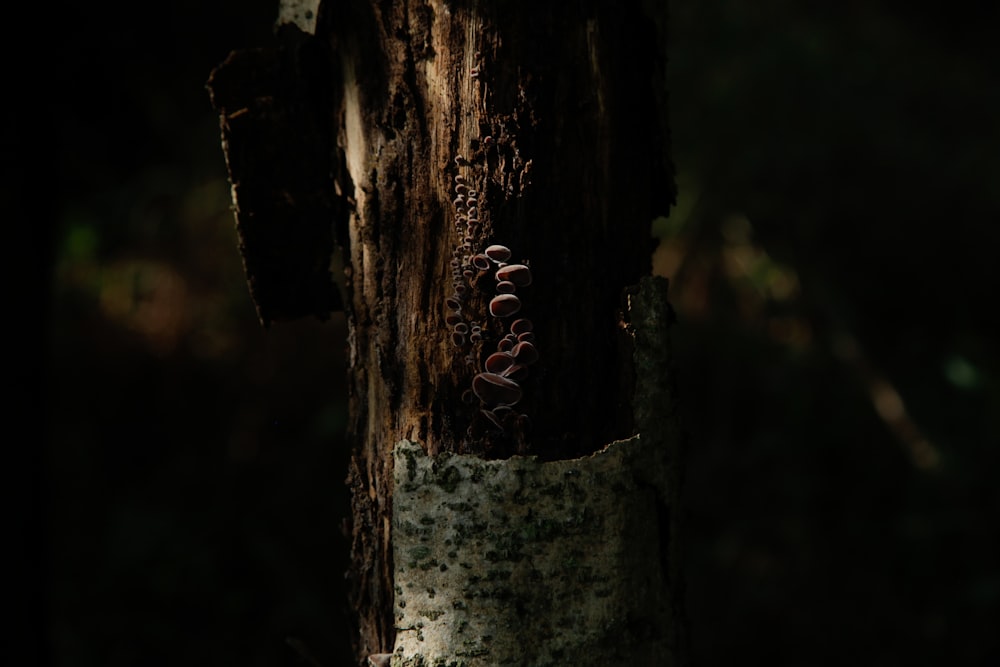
x,y
553,114
555,110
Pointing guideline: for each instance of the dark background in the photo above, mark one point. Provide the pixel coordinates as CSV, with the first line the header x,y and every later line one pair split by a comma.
x,y
174,472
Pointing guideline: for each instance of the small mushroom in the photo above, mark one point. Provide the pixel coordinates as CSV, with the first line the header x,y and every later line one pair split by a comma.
x,y
505,345
504,305
493,389
506,287
453,303
519,274
457,338
525,352
463,328
498,253
481,262
503,412
452,319
498,362
520,326
526,337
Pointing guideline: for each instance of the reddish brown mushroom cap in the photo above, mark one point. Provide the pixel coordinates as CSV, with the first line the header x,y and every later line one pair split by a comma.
x,y
520,326
504,305
498,253
493,389
498,362
519,274
525,353
481,262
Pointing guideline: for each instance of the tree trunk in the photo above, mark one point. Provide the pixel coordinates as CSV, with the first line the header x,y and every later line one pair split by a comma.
x,y
464,132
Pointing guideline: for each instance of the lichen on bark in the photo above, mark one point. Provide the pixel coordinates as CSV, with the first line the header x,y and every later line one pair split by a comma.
x,y
529,562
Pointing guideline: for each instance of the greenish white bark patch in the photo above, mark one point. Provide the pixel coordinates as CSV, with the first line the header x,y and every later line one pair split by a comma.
x,y
302,13
525,562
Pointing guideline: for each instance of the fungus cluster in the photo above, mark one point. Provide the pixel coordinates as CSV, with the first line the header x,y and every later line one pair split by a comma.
x,y
463,264
497,386
497,383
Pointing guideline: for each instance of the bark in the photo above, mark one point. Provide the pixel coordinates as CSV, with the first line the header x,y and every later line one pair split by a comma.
x,y
522,561
553,115
569,178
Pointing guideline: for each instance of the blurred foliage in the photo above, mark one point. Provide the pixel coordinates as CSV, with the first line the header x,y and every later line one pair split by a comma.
x,y
195,473
831,261
832,264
